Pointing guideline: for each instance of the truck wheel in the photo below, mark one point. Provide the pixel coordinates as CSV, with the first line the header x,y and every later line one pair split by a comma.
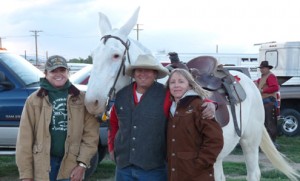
x,y
290,124
93,166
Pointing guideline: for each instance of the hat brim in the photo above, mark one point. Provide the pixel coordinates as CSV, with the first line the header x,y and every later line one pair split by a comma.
x,y
270,66
55,67
161,71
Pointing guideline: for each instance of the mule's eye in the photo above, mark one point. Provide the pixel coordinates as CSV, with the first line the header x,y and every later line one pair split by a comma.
x,y
116,56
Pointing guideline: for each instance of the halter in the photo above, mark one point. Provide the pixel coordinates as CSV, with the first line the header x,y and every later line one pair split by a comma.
x,y
112,90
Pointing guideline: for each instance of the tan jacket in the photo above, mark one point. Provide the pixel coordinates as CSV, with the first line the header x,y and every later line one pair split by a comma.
x,y
34,140
193,143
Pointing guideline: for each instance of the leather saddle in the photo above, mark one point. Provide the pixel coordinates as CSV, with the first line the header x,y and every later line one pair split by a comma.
x,y
223,86
203,68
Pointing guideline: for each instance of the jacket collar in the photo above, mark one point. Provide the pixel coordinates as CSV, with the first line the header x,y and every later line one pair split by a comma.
x,y
72,91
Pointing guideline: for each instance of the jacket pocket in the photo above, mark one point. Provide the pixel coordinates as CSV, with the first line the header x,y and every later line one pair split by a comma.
x,y
39,160
187,163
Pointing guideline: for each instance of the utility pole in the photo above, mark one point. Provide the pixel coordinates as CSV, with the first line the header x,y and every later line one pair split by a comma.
x,y
138,29
36,50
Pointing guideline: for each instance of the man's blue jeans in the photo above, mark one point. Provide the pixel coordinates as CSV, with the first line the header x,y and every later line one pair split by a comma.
x,y
55,165
134,173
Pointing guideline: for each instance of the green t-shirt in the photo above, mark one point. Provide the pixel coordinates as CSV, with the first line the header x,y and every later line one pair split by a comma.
x,y
59,119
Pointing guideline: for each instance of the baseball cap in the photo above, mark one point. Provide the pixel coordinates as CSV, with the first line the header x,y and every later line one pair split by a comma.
x,y
56,61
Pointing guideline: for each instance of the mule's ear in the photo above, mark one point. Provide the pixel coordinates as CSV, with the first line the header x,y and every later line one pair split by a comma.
x,y
126,29
104,24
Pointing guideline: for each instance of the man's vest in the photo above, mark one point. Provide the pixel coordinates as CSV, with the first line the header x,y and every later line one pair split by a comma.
x,y
263,83
141,138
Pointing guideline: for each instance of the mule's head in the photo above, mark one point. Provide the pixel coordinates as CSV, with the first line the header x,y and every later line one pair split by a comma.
x,y
107,58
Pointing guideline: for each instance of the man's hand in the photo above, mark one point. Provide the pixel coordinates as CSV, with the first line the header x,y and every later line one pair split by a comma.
x,y
77,173
209,110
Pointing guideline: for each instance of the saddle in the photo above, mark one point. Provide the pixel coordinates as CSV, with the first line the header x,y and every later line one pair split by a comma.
x,y
224,87
203,69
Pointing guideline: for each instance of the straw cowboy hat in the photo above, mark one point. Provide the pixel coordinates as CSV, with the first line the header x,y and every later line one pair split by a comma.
x,y
147,62
265,64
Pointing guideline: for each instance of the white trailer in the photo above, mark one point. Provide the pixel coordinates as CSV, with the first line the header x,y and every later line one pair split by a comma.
x,y
285,58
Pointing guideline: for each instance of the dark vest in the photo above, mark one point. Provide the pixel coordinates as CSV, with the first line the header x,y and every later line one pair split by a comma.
x,y
141,138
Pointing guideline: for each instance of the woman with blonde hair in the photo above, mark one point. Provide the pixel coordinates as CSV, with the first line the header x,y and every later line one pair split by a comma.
x,y
193,142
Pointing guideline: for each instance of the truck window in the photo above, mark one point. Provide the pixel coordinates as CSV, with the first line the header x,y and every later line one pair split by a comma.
x,y
24,70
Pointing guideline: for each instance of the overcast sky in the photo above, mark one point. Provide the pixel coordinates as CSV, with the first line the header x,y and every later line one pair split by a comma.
x,y
70,27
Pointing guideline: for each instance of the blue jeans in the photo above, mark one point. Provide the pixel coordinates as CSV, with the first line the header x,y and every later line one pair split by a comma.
x,y
55,165
270,99
134,173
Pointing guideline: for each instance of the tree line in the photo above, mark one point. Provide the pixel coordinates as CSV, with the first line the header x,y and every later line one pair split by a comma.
x,y
88,60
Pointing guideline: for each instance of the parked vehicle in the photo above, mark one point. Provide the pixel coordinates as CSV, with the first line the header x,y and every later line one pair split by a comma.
x,y
82,76
18,79
74,67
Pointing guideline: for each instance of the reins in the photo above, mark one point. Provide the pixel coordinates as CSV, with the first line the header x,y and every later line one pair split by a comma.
x,y
112,90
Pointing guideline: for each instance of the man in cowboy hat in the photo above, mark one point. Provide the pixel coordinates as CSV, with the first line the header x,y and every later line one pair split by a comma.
x,y
268,87
137,134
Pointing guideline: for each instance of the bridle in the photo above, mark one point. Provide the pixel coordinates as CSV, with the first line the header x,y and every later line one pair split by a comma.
x,y
112,90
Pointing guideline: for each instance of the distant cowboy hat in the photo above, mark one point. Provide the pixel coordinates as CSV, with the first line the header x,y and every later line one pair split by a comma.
x,y
147,62
265,64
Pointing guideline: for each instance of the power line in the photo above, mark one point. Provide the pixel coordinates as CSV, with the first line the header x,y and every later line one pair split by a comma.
x,y
16,36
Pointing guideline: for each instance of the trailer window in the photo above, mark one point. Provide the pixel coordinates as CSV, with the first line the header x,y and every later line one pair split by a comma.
x,y
272,57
